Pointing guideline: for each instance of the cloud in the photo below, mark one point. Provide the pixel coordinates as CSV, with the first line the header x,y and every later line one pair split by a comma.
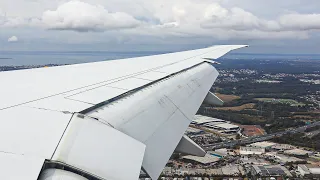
x,y
13,39
240,20
16,22
235,18
84,17
168,25
211,19
300,22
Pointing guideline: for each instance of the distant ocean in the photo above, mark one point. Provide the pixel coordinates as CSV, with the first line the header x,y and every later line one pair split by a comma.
x,y
18,58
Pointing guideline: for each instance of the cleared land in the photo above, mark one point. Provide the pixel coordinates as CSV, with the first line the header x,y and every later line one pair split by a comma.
x,y
237,108
303,117
227,98
282,101
252,130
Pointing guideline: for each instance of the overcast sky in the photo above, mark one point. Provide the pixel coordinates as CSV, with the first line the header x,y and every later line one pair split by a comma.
x,y
273,26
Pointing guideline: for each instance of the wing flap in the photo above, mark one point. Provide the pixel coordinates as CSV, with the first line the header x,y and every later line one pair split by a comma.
x,y
31,131
162,143
189,147
213,99
15,167
160,113
87,145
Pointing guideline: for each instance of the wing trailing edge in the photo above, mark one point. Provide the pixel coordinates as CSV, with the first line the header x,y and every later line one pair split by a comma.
x,y
213,99
189,147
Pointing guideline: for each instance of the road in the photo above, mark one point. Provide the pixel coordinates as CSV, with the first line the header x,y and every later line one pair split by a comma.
x,y
232,143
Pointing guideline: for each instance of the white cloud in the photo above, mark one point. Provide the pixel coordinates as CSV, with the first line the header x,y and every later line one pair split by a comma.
x,y
13,39
241,20
168,25
211,19
300,22
235,18
84,17
16,22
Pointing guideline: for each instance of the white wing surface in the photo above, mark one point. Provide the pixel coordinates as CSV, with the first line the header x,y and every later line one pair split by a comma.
x,y
102,119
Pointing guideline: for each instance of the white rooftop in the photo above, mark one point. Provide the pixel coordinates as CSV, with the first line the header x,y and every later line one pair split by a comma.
x,y
285,159
264,144
226,126
193,130
297,152
208,158
245,150
213,123
283,146
313,169
199,119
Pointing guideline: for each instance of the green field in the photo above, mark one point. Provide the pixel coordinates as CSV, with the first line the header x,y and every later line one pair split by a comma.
x,y
282,101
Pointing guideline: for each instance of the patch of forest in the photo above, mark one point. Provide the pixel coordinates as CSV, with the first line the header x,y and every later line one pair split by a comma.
x,y
300,140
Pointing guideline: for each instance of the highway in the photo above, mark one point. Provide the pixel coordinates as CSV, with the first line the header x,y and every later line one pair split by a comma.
x,y
232,143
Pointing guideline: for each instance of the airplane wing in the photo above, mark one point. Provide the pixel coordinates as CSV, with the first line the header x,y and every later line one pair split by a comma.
x,y
102,120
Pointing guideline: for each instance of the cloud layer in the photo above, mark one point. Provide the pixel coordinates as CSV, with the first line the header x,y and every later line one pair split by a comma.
x,y
181,18
241,20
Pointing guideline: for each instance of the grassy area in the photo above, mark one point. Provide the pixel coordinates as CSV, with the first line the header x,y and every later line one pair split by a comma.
x,y
237,108
303,117
227,98
282,101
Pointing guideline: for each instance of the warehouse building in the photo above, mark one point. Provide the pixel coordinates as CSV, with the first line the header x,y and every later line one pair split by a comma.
x,y
298,152
201,120
225,127
283,147
270,170
206,160
215,124
264,144
193,131
246,150
309,170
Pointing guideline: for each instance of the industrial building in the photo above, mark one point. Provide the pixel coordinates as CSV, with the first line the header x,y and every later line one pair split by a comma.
x,y
264,144
215,124
298,152
282,147
246,150
270,170
206,160
193,131
224,152
309,170
225,127
245,160
201,120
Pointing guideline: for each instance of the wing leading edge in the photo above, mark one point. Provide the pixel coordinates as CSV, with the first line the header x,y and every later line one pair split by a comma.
x,y
150,100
